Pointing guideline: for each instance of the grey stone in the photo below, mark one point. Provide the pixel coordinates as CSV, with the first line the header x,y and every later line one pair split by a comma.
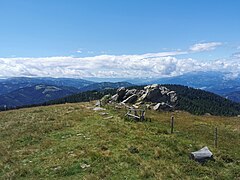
x,y
121,93
132,99
98,103
99,109
147,87
202,155
173,96
105,99
129,93
155,86
114,97
162,106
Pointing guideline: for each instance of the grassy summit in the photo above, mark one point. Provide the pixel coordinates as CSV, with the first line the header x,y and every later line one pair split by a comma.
x,y
72,141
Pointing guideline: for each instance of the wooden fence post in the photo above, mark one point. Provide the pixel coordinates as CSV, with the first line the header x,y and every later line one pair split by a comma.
x,y
216,137
172,124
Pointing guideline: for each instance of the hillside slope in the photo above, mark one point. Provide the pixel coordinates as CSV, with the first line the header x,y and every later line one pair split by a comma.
x,y
199,102
71,141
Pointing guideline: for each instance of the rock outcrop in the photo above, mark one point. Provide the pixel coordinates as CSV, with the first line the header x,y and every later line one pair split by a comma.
x,y
153,96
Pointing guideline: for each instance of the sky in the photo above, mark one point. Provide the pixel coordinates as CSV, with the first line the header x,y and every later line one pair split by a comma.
x,y
127,38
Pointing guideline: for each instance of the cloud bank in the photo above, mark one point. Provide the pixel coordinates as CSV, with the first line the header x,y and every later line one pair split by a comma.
x,y
162,64
200,47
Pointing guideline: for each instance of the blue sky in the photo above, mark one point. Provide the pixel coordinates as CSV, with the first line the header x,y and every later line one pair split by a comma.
x,y
90,28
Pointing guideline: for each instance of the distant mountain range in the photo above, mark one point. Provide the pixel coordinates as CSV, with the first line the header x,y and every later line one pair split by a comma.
x,y
23,91
219,83
12,84
16,92
223,84
212,81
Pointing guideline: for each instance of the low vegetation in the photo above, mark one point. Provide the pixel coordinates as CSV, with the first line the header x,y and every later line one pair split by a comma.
x,y
71,141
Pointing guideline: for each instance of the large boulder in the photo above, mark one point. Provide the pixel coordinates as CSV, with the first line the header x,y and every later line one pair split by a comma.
x,y
173,96
143,96
105,99
163,106
156,94
131,99
114,98
155,86
121,93
202,155
129,93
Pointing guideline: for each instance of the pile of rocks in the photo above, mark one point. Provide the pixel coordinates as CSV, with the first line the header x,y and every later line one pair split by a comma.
x,y
153,96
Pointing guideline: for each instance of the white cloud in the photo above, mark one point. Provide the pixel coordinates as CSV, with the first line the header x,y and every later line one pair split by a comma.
x,y
205,46
146,65
236,55
79,51
90,52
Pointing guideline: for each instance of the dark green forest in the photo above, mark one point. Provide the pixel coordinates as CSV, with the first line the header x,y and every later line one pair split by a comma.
x,y
200,102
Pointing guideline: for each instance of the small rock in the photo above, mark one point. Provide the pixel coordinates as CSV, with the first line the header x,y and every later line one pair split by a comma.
x,y
133,150
110,117
135,106
148,106
103,113
83,166
207,114
56,168
73,155
98,103
104,148
99,109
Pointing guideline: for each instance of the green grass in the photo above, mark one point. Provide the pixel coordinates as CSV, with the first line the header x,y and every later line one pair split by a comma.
x,y
71,141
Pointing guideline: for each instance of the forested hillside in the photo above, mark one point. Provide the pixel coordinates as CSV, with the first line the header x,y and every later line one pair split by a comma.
x,y
192,100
